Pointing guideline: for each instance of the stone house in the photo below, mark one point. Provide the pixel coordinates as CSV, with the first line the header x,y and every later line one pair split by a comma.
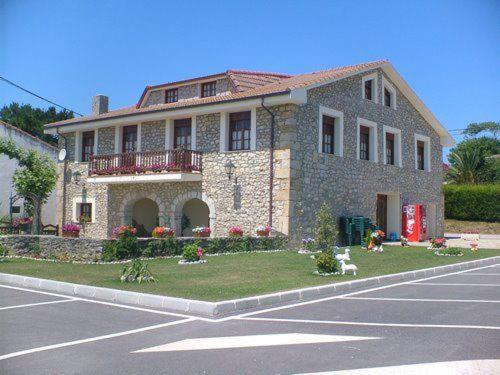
x,y
356,137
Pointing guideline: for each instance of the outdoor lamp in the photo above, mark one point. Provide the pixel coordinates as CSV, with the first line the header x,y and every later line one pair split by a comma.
x,y
229,167
77,177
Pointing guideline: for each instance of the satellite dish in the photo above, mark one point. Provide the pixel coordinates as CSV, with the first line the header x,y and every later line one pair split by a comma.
x,y
62,154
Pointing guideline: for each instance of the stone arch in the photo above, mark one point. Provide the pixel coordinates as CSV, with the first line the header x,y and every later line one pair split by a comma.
x,y
127,207
178,204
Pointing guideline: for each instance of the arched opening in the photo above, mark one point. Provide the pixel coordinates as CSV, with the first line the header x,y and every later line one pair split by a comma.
x,y
145,216
195,213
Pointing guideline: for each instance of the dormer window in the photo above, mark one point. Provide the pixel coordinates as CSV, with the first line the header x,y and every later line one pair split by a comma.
x,y
171,96
208,89
369,87
388,94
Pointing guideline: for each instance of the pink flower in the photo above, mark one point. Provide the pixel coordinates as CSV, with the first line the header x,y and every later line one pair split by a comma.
x,y
199,252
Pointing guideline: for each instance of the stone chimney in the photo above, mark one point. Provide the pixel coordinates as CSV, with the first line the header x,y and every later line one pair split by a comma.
x,y
99,104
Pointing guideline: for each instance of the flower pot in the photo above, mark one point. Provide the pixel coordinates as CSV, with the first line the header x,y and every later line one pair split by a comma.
x,y
70,234
262,233
202,234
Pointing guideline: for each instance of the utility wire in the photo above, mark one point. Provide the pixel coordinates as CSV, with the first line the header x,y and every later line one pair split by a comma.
x,y
38,96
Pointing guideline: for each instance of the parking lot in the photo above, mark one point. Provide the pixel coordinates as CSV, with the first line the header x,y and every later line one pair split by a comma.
x,y
446,324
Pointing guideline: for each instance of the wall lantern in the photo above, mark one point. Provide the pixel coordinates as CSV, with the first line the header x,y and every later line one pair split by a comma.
x,y
77,177
230,168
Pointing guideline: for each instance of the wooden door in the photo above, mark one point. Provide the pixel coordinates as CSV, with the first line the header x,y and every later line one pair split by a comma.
x,y
381,217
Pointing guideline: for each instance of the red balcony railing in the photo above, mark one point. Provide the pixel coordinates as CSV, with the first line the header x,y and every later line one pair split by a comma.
x,y
146,162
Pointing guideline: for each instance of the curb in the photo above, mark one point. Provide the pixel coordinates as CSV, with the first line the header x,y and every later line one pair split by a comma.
x,y
214,309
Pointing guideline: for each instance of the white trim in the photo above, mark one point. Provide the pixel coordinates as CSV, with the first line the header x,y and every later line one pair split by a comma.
x,y
224,125
338,147
427,151
139,142
76,207
398,161
253,129
387,85
373,138
96,141
118,129
78,145
169,134
154,177
374,77
193,132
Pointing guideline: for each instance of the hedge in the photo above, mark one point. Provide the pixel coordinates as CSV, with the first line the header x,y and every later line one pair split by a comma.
x,y
472,202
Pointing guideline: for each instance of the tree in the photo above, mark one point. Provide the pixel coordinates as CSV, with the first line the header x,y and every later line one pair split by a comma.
x,y
31,120
470,161
326,230
480,127
35,178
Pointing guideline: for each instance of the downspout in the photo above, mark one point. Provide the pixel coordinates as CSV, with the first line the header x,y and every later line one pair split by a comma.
x,y
65,169
271,163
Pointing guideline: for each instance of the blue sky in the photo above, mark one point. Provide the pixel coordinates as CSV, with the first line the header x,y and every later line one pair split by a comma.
x,y
67,51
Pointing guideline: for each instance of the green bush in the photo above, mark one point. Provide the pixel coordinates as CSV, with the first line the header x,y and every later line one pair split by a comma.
x,y
326,229
137,271
189,252
453,251
163,247
472,202
122,248
326,263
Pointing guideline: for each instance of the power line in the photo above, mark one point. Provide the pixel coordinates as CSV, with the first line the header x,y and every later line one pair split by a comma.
x,y
38,96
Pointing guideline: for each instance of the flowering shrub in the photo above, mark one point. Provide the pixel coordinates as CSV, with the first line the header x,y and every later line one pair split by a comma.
x,y
235,231
263,230
438,243
21,221
124,231
163,232
202,231
192,252
309,244
71,228
377,237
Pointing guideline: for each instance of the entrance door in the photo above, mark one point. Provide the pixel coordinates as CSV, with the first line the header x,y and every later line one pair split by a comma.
x,y
381,217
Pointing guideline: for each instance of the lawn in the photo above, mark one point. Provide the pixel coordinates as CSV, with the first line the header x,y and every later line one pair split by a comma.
x,y
239,275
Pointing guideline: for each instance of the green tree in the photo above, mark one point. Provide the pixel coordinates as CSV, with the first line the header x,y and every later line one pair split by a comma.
x,y
326,229
31,120
483,127
35,178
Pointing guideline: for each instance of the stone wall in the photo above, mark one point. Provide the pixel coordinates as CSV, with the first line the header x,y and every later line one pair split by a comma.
x,y
106,141
350,185
153,136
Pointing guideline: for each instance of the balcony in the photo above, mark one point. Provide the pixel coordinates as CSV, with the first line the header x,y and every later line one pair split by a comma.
x,y
151,166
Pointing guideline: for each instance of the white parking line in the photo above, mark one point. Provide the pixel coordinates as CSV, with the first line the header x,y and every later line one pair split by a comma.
x,y
482,274
92,339
455,284
421,299
38,304
339,322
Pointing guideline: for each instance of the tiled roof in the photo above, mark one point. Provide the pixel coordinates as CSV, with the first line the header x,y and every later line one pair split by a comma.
x,y
247,85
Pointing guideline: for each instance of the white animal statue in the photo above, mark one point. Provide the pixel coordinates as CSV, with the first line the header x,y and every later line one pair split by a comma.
x,y
344,256
348,268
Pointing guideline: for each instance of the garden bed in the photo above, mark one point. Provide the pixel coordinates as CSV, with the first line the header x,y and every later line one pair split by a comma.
x,y
240,275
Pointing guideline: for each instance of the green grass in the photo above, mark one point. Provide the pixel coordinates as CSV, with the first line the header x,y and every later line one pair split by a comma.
x,y
239,275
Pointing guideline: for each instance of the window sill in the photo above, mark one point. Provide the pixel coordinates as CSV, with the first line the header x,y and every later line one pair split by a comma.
x,y
236,151
330,155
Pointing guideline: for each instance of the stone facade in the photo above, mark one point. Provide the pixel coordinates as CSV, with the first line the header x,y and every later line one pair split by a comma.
x,y
303,179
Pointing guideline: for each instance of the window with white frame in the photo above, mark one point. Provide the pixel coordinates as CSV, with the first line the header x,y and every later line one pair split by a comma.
x,y
422,152
238,130
392,146
83,210
367,147
330,131
388,94
369,87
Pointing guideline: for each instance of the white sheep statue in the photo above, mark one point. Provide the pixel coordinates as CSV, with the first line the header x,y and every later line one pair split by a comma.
x,y
348,268
344,256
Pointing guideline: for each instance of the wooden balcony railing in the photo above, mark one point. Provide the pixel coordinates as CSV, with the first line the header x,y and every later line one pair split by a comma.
x,y
180,160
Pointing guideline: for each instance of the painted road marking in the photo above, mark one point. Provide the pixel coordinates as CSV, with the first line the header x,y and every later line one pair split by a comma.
x,y
420,299
251,341
38,304
482,366
455,284
482,274
339,322
92,339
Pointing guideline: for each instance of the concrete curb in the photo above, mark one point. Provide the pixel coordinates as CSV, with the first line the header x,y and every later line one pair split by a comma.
x,y
214,309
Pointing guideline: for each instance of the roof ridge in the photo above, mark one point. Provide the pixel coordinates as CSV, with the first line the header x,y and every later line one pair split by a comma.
x,y
255,72
345,67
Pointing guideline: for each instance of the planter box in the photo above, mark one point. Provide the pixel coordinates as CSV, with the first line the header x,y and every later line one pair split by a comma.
x,y
203,235
71,234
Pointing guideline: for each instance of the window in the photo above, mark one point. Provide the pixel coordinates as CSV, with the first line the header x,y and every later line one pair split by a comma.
x,y
85,212
364,142
182,133
129,142
16,209
171,96
420,155
388,94
208,89
328,134
239,131
87,145
369,87
389,148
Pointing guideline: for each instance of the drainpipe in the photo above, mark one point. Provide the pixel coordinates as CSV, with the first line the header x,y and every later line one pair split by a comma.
x,y
271,163
65,169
